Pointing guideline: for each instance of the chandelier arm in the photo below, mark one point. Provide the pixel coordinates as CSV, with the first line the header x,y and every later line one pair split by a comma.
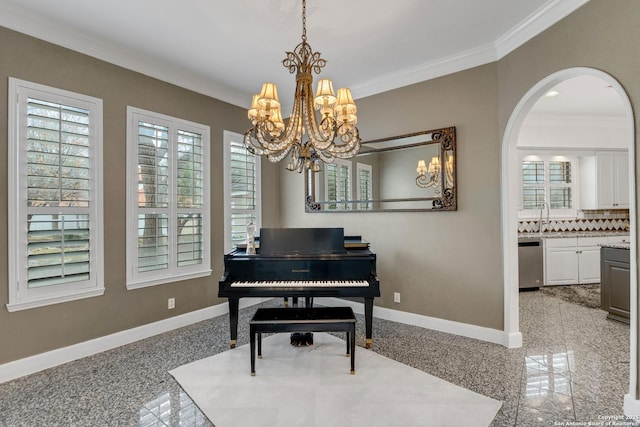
x,y
320,141
253,145
274,144
326,142
326,158
296,163
345,151
349,146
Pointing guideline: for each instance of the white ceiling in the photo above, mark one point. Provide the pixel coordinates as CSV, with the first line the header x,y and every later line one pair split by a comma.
x,y
585,96
227,48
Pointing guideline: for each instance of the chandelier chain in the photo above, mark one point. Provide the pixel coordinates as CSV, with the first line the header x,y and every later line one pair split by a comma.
x,y
304,20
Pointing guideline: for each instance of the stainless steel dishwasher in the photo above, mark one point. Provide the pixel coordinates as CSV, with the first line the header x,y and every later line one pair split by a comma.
x,y
530,263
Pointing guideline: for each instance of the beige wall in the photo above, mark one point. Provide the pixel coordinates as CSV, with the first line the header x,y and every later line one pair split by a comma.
x,y
444,264
29,332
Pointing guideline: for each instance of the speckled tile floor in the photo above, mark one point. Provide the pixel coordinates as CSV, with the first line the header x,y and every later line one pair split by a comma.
x,y
574,366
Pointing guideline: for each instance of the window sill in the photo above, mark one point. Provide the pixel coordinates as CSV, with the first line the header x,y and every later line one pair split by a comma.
x,y
143,283
49,300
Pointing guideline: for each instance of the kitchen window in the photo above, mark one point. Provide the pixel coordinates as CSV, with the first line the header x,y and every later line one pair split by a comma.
x,y
55,196
549,182
168,215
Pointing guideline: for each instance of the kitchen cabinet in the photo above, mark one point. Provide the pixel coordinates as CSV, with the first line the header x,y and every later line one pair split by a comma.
x,y
561,261
615,285
572,260
612,184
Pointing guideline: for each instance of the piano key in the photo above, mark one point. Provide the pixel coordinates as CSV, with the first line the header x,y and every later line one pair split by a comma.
x,y
301,284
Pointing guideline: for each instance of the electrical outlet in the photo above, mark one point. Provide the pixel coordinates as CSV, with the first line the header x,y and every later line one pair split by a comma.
x,y
171,303
396,297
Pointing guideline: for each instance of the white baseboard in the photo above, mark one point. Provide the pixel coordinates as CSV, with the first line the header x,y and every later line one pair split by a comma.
x,y
631,407
464,329
39,362
513,340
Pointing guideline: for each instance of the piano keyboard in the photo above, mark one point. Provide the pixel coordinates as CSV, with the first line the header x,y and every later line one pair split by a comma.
x,y
302,284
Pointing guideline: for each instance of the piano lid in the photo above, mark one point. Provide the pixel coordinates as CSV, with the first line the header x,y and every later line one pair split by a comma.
x,y
296,241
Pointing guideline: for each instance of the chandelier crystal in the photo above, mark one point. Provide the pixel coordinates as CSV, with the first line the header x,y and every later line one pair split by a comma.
x,y
328,135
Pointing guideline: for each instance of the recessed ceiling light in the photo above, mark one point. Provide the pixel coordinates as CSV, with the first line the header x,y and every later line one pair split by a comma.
x,y
552,93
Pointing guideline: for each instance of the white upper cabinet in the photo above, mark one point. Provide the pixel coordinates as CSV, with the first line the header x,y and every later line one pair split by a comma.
x,y
604,180
612,184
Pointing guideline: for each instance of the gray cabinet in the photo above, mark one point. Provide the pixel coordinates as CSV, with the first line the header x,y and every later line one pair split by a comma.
x,y
615,284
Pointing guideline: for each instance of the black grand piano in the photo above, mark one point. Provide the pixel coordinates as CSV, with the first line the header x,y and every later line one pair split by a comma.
x,y
301,263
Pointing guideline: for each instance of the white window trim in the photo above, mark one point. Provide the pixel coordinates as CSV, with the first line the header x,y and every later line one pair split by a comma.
x,y
20,296
348,201
575,187
228,137
135,279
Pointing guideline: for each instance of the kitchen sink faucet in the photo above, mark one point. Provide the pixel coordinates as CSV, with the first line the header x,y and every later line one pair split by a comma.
x,y
540,222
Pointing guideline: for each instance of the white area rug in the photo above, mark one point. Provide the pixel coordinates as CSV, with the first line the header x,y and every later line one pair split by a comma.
x,y
311,386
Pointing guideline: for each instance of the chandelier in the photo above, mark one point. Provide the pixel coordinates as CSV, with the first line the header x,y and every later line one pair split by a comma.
x,y
432,175
429,176
309,138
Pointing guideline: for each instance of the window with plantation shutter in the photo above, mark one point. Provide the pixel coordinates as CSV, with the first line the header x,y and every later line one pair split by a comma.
x,y
168,235
338,184
364,186
55,175
548,181
533,183
242,190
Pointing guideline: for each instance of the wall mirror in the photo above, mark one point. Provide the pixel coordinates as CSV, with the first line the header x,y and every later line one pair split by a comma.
x,y
412,172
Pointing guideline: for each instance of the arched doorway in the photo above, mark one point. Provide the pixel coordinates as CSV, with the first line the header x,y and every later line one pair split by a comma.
x,y
510,184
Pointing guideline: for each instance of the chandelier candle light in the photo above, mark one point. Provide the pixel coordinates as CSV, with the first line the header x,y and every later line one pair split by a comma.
x,y
428,176
331,135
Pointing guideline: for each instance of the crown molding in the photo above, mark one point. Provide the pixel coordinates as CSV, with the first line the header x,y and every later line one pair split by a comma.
x,y
130,59
534,24
423,72
540,20
543,18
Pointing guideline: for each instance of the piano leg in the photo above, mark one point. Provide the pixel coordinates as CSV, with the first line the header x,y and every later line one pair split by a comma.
x,y
233,320
368,318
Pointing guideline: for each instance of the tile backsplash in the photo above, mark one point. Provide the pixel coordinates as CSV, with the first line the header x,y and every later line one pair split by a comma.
x,y
592,220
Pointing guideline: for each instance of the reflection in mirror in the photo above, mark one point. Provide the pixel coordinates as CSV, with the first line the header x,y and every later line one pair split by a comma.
x,y
414,172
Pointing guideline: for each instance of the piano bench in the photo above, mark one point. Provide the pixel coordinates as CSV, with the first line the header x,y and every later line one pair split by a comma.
x,y
311,319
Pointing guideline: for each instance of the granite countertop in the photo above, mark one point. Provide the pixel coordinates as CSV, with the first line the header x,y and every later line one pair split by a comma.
x,y
561,234
616,245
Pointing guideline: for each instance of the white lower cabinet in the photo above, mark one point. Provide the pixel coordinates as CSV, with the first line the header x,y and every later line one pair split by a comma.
x,y
572,260
588,264
561,265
